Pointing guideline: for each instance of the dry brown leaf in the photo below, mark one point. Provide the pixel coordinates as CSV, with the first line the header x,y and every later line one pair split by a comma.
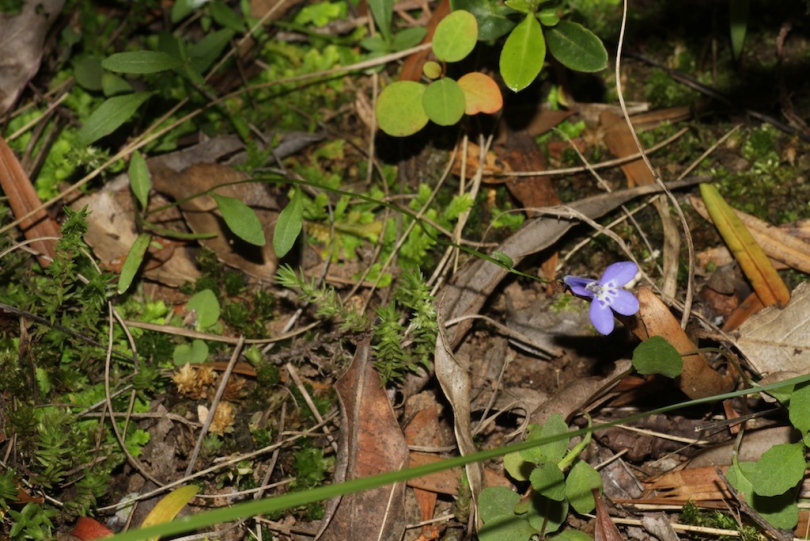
x,y
606,530
778,339
698,379
22,36
371,443
22,198
777,244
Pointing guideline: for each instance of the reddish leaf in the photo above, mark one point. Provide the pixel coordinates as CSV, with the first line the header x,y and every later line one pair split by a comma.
x,y
88,528
482,93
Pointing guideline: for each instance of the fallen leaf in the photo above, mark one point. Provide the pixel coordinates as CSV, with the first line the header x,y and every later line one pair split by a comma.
x,y
698,379
481,92
606,530
755,264
22,198
171,504
778,339
87,528
371,442
22,36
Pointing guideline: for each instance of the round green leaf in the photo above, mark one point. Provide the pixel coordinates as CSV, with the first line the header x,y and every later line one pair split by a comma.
x,y
432,70
399,109
197,352
289,224
444,102
780,469
657,356
579,485
549,17
455,36
109,116
497,502
576,47
206,307
87,71
523,54
133,262
548,480
241,219
492,16
140,62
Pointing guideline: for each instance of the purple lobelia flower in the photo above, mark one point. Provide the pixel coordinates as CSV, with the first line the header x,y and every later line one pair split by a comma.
x,y
606,294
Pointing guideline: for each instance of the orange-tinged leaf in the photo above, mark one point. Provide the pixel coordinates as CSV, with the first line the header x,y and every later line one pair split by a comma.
x,y
167,508
754,263
482,93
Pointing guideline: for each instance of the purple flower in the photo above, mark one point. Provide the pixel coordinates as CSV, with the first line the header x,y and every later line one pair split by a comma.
x,y
606,294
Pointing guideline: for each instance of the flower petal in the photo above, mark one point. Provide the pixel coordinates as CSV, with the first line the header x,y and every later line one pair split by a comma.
x,y
619,273
577,286
625,303
601,316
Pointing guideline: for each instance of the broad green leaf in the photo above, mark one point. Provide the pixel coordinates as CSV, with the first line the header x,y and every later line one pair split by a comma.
x,y
109,116
572,535
407,38
481,93
432,70
289,224
551,452
492,16
383,12
507,528
517,467
133,262
579,485
241,219
799,408
523,6
196,352
140,62
399,108
496,502
206,308
657,356
168,507
576,47
780,469
546,514
523,54
548,480
444,102
374,44
455,36
754,263
182,8
738,16
139,181
88,72
205,52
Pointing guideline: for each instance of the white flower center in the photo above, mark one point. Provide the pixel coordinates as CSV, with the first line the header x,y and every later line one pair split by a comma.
x,y
604,293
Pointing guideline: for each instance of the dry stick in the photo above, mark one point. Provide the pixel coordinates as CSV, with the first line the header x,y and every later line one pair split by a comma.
x,y
308,399
709,151
127,150
212,411
687,303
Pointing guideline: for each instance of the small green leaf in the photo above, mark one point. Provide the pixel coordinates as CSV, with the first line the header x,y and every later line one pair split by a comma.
x,y
241,219
432,70
110,116
507,528
407,38
114,85
780,469
547,515
522,6
399,108
374,44
657,356
799,408
549,16
133,262
383,12
455,36
548,480
738,15
572,535
523,54
140,62
576,47
225,16
206,51
206,307
497,502
195,353
289,224
550,452
87,71
444,102
492,16
139,181
579,485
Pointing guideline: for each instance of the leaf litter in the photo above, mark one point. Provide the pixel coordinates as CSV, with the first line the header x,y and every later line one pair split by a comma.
x,y
493,387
